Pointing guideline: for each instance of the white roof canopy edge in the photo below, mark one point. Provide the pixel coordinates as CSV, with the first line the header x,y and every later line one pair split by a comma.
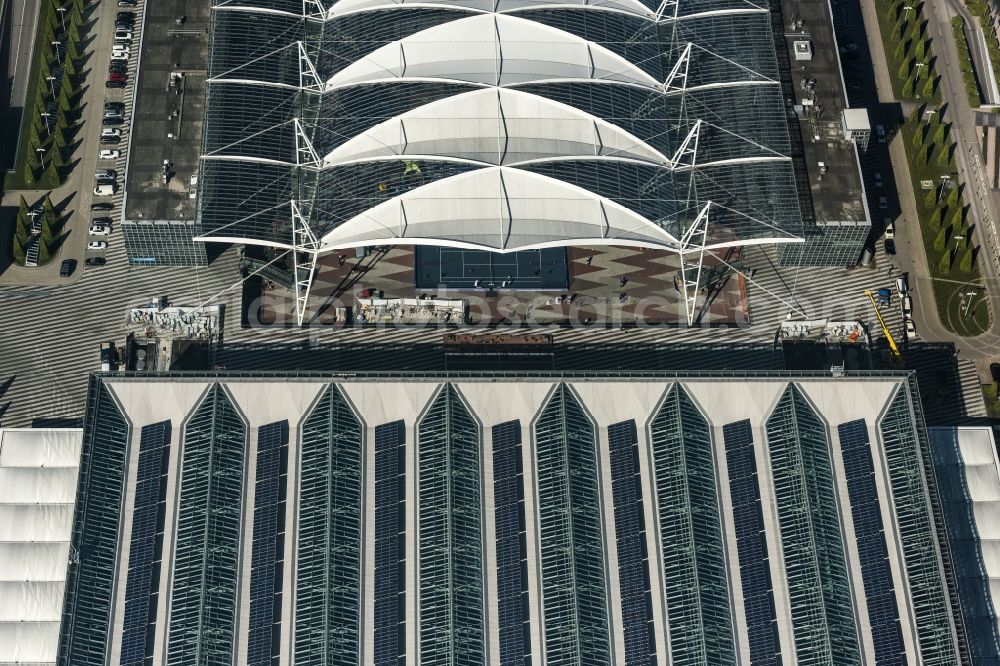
x,y
389,221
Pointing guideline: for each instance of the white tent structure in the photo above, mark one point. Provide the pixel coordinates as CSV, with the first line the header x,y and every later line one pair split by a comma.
x,y
503,125
38,478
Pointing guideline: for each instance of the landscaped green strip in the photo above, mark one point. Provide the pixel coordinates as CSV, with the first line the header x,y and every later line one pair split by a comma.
x,y
944,228
908,51
15,180
979,9
965,61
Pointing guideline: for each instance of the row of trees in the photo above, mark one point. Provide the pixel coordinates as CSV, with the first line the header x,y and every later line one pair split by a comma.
x,y
947,214
911,49
55,106
38,227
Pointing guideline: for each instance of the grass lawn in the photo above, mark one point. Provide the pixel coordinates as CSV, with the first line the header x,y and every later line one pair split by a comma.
x,y
889,28
990,398
965,61
950,285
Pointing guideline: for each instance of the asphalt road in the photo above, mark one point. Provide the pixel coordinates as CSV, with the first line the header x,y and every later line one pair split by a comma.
x,y
22,20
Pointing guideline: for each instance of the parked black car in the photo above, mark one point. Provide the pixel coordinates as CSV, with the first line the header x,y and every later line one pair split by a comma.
x,y
111,140
102,205
114,107
114,84
67,267
890,247
112,120
105,221
95,261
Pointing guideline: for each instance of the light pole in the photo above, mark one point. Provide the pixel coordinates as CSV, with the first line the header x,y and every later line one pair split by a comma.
x,y
46,115
57,44
62,17
52,85
41,156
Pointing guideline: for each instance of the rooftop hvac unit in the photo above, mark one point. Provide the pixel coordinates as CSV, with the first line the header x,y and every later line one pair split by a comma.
x,y
803,49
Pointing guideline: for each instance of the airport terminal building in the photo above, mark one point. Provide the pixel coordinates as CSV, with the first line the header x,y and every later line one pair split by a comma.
x,y
505,127
597,518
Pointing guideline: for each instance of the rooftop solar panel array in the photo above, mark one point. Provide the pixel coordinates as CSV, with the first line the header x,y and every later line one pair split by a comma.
x,y
390,544
512,547
751,544
883,614
267,557
146,544
601,537
630,534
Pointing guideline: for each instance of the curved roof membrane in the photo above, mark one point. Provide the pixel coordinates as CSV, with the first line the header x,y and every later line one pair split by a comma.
x,y
495,50
500,209
497,124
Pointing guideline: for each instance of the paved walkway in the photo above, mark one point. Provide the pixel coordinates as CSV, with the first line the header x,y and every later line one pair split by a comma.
x,y
76,194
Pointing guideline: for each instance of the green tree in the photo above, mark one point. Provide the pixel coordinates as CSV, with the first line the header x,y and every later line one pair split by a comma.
x,y
944,265
18,248
900,51
939,134
939,240
930,199
936,218
50,178
928,90
69,69
29,172
953,197
956,219
966,264
908,88
944,155
22,207
48,209
65,99
43,253
904,69
920,49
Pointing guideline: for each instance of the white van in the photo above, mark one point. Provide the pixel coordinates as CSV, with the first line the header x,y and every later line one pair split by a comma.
x,y
907,307
104,190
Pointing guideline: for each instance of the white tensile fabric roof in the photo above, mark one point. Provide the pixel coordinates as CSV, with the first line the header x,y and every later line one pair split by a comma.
x,y
493,50
495,126
500,209
628,6
38,478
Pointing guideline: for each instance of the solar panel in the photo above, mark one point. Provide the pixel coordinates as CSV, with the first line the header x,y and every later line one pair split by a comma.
x,y
267,558
751,545
512,551
883,613
390,543
630,534
141,588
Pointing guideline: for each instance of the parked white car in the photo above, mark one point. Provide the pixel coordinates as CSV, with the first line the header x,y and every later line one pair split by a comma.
x,y
109,154
97,245
104,190
111,131
123,35
911,330
890,231
99,230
